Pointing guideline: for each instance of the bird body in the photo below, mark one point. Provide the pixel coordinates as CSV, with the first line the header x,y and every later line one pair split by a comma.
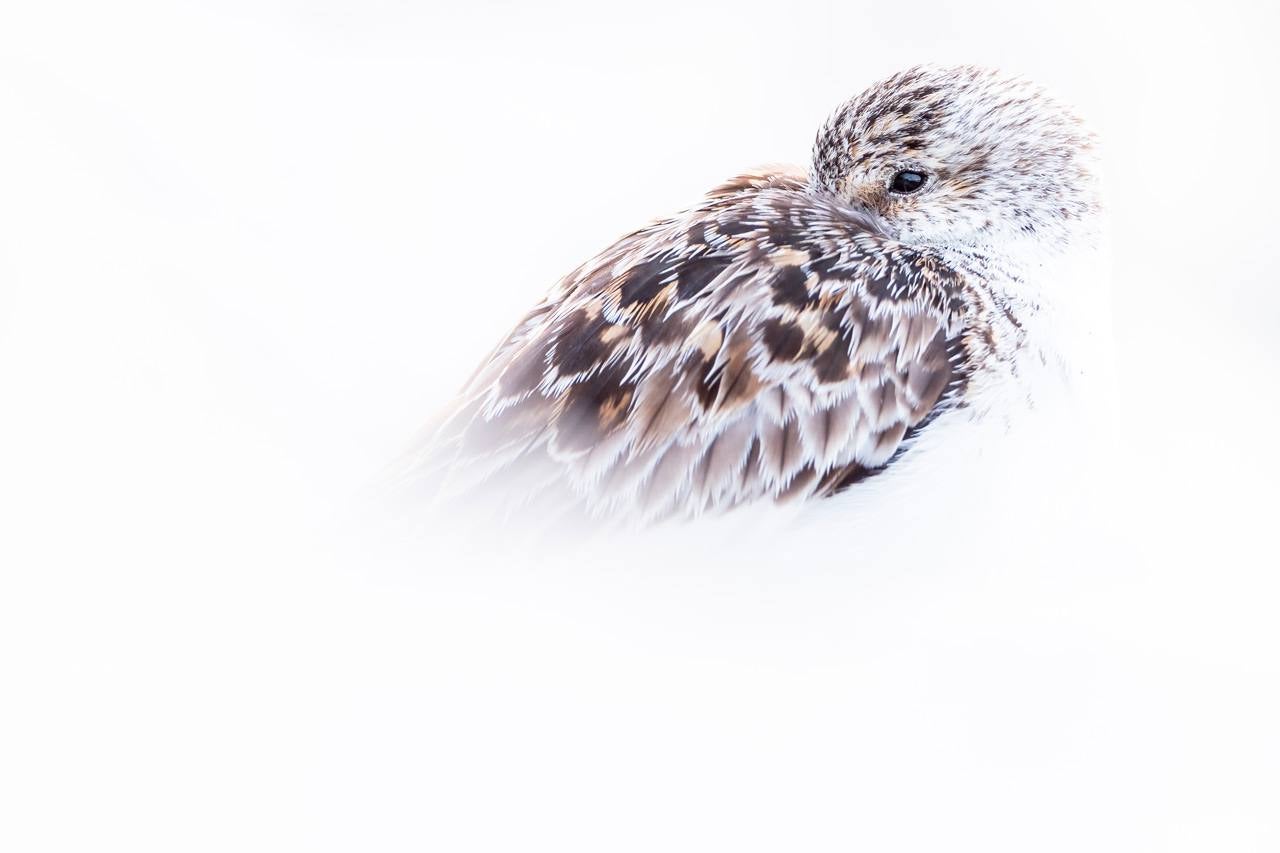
x,y
795,334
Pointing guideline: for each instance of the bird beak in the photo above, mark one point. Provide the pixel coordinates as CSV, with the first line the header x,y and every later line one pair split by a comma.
x,y
860,209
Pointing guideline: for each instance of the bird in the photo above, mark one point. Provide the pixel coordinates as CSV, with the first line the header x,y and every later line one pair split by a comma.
x,y
798,334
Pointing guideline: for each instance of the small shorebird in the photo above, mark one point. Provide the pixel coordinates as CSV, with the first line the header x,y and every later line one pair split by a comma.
x,y
794,334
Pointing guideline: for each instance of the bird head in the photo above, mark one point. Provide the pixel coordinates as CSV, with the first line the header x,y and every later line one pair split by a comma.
x,y
962,158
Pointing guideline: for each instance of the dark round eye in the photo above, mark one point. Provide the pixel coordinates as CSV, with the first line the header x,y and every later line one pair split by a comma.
x,y
907,181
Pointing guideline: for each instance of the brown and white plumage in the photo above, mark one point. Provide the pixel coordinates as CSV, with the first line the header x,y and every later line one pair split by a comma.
x,y
788,336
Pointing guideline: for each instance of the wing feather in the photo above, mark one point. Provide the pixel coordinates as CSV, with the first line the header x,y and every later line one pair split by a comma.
x,y
770,343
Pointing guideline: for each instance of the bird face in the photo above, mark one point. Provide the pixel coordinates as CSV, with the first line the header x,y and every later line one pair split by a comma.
x,y
961,158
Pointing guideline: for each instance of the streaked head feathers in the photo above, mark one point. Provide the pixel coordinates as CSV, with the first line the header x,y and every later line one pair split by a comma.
x,y
1003,161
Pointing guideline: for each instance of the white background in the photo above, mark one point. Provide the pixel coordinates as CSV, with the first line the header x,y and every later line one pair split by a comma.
x,y
248,248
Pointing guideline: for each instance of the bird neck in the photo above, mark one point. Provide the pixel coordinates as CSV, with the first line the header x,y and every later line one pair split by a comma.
x,y
1044,317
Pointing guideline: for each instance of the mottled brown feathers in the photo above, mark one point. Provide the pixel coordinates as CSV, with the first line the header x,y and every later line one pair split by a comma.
x,y
770,343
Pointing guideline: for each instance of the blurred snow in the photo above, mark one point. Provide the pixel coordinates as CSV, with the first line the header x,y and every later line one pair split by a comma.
x,y
248,248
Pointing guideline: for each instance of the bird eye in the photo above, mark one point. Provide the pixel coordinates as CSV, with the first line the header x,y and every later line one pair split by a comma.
x,y
907,181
